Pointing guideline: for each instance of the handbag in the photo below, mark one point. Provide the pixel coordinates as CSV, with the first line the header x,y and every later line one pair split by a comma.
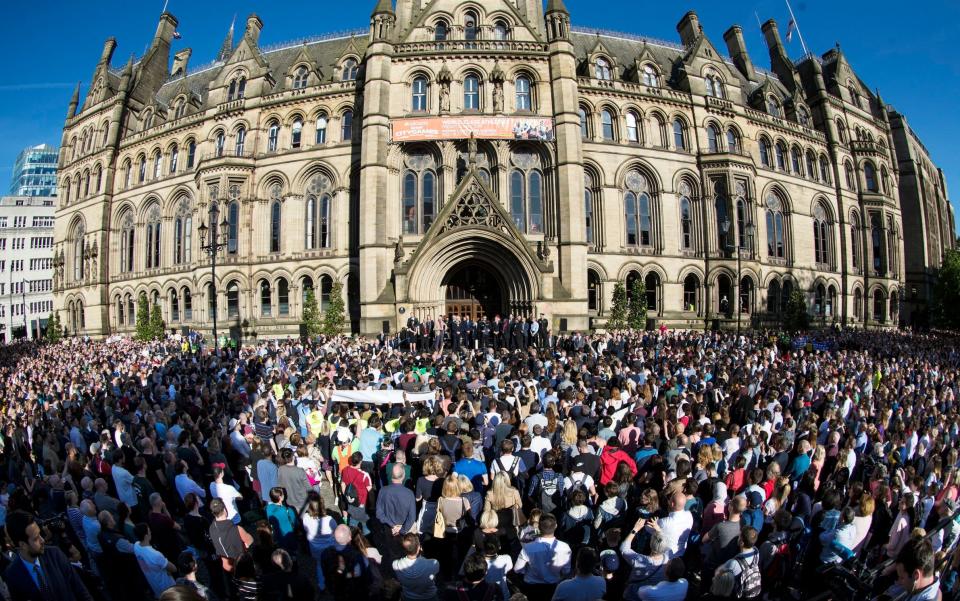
x,y
439,522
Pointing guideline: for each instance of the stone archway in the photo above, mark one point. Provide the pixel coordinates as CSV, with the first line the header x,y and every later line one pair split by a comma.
x,y
473,291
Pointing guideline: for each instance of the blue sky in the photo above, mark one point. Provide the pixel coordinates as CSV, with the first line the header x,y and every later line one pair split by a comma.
x,y
907,53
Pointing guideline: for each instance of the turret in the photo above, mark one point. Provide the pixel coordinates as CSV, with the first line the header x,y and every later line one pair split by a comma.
x,y
226,48
780,62
382,20
689,28
108,47
74,101
558,21
254,27
738,52
180,62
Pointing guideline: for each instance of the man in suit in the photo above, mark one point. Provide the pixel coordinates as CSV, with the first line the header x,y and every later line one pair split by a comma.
x,y
466,332
497,331
39,573
544,332
455,333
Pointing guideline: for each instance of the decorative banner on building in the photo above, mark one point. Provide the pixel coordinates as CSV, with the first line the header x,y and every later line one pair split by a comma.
x,y
381,397
483,128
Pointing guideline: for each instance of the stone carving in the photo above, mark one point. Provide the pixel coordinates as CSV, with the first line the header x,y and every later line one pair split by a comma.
x,y
474,209
498,97
773,203
636,182
444,97
685,190
398,251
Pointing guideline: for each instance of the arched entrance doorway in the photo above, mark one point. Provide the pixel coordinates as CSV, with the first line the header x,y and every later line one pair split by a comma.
x,y
473,291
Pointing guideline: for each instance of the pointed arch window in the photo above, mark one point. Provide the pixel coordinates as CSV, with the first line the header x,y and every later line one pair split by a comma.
x,y
326,289
781,156
349,70
306,287
742,220
870,177
821,236
471,93
283,297
714,86
588,208
879,244
174,306
766,153
686,224
153,238
181,109
187,304
98,176
296,133
219,143
857,304
275,222
523,100
795,161
803,116
182,234
637,207
776,245
419,193
811,166
318,217
593,291
321,136
211,302
606,120
273,136
892,246
691,293
501,30
679,135
650,76
174,157
241,87
584,124
879,315
300,77
824,170
652,284
346,126
526,192
266,299
233,219
127,247
602,69
191,154
773,296
713,135
855,244
633,127
142,174
239,142
773,107
157,164
421,90
733,141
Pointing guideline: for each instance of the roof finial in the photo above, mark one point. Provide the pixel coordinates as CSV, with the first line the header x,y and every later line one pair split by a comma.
x,y
227,47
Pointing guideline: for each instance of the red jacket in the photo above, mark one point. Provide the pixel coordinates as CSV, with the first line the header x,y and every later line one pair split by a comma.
x,y
610,458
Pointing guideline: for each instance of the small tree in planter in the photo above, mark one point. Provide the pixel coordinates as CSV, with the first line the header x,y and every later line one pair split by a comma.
x,y
143,319
157,327
618,312
796,317
311,315
333,319
54,333
637,315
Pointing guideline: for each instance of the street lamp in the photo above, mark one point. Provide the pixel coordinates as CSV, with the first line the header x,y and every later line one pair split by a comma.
x,y
748,234
219,238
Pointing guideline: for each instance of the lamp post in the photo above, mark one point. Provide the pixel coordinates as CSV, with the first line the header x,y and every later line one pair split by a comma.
x,y
725,225
219,237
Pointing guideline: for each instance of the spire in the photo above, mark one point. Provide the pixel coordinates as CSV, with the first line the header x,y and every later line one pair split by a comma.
x,y
383,7
74,101
226,49
126,75
556,6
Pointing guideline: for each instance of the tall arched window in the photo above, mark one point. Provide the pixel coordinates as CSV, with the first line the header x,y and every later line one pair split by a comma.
x,y
501,30
606,120
174,306
855,243
266,299
593,291
602,69
765,153
714,86
233,300
120,316
652,283
157,164
318,213
211,302
773,296
346,126
523,99
713,135
584,124
691,293
470,26
858,304
326,289
275,214
153,237
879,246
419,193
273,136
441,31
811,165
723,219
742,220
191,154
822,235
526,192
650,76
686,224
233,220
733,141
306,287
182,234
870,177
746,295
894,307
773,107
633,127
776,244
241,139
679,135
296,133
785,295
219,143
781,156
588,207
820,300
241,87
174,156
824,170
127,248
879,315
142,171
300,77
831,300
180,109
638,210
471,93
662,131
283,298
187,304
892,247
349,70
420,92
321,137
795,161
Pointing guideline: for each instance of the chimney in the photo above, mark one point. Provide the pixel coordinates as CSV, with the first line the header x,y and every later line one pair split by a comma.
x,y
254,26
180,61
108,47
738,52
772,35
166,27
689,28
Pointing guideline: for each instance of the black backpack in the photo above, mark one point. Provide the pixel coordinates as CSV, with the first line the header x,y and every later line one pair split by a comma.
x,y
749,584
351,496
514,477
551,492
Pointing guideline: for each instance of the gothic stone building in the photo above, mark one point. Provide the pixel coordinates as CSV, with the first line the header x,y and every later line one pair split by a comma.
x,y
488,157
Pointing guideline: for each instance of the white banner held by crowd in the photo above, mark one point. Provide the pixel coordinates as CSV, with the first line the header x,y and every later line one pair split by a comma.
x,y
381,397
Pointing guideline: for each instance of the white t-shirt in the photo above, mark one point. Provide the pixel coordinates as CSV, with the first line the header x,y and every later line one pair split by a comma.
x,y
675,529
154,567
229,495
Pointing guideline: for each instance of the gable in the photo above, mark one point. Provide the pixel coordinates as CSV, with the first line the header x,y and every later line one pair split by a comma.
x,y
453,11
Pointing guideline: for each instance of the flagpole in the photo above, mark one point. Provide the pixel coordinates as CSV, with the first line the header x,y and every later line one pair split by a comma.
x,y
797,25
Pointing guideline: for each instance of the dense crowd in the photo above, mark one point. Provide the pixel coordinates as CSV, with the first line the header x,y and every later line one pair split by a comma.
x,y
649,465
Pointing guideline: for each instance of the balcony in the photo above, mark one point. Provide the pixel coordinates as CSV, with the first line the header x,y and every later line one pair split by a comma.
x,y
720,104
229,107
228,157
452,46
867,147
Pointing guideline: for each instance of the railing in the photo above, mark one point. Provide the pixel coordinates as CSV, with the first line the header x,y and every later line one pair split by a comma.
x,y
866,146
469,46
226,153
720,103
626,36
232,105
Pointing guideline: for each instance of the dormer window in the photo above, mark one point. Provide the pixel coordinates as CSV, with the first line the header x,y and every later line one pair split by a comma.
x,y
441,31
650,76
350,69
241,86
773,107
181,109
803,116
300,78
148,121
714,86
602,69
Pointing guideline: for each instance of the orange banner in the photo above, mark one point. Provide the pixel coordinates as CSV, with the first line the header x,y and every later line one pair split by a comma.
x,y
482,128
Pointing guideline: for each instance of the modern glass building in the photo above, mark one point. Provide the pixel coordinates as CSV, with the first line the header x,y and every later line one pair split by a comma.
x,y
35,172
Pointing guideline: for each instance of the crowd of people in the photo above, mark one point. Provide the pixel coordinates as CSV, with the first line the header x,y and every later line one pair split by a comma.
x,y
664,465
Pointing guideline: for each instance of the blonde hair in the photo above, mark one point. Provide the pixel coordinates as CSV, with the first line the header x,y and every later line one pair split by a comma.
x,y
432,466
451,487
489,520
466,486
501,494
570,432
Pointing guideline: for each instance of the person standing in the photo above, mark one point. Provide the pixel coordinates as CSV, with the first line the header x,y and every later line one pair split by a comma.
x,y
417,574
37,572
585,586
293,480
156,568
544,562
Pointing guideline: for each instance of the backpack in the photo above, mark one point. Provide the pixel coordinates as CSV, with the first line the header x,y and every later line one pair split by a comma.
x,y
452,452
578,485
351,496
778,570
551,492
514,479
748,585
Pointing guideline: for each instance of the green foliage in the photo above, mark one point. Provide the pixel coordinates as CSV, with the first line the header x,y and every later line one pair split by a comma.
x,y
946,292
143,319
54,332
796,317
618,312
637,315
311,315
157,327
334,319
